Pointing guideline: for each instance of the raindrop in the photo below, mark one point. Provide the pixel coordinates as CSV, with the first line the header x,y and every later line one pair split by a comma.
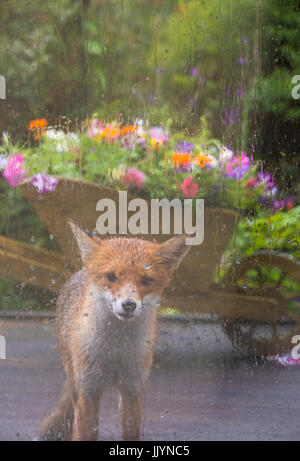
x,y
51,236
147,266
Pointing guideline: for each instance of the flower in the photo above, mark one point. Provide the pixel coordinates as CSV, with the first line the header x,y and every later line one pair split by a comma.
x,y
134,177
225,154
3,162
184,146
104,132
182,162
158,137
189,188
54,135
251,183
15,173
267,180
94,128
128,130
44,183
238,165
109,133
38,127
232,116
63,140
279,204
203,160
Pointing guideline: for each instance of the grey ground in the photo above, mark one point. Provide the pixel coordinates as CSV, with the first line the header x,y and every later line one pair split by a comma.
x,y
199,388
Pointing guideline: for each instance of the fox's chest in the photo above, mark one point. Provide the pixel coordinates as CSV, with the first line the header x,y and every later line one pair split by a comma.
x,y
115,352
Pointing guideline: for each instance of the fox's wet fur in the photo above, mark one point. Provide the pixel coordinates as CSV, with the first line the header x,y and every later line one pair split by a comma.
x,y
106,324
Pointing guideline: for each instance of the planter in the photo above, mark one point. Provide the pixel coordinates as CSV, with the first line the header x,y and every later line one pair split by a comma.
x,y
77,199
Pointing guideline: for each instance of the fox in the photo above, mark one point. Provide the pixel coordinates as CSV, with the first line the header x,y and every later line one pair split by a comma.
x,y
106,325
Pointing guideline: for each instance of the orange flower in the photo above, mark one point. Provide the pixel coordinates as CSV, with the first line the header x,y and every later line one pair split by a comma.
x,y
127,130
38,126
202,160
181,159
109,133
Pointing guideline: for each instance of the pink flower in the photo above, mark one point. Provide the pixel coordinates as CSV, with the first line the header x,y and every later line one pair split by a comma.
x,y
133,177
15,173
159,134
189,188
44,183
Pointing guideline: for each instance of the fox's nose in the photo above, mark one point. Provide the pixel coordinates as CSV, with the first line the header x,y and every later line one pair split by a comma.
x,y
129,305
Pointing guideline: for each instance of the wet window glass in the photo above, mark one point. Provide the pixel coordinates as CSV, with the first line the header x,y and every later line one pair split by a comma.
x,y
149,220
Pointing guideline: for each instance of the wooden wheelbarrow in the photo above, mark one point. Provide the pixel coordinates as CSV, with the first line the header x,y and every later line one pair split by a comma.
x,y
193,289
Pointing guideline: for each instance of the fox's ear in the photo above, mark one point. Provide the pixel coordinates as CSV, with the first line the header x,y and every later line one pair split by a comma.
x,y
173,251
87,245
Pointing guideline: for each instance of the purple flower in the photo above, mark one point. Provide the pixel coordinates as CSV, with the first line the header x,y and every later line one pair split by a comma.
x,y
183,168
278,205
239,91
269,184
184,146
194,71
245,41
238,165
243,60
44,183
232,116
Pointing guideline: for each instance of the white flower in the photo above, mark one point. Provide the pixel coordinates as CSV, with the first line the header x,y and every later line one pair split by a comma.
x,y
225,154
3,162
63,140
213,161
140,126
55,135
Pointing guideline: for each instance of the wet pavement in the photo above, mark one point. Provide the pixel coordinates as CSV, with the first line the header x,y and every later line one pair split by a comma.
x,y
199,388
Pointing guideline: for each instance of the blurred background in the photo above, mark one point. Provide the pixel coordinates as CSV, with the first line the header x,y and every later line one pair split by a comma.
x,y
226,63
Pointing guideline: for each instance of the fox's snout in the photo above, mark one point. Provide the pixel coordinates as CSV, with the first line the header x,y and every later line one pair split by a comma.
x,y
127,310
127,304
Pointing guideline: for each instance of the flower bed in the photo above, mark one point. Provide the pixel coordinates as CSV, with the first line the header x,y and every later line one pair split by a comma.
x,y
146,160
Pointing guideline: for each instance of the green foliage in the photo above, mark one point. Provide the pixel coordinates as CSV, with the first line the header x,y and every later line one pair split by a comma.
x,y
280,231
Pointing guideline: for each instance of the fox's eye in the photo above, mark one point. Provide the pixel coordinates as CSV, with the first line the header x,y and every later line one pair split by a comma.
x,y
111,277
146,281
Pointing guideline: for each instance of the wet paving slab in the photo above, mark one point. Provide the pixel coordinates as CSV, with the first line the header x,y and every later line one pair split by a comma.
x,y
200,388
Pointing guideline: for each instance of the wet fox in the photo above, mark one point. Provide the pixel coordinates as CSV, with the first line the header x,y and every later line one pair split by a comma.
x,y
106,324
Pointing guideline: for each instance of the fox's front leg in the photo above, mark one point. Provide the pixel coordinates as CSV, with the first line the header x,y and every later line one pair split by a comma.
x,y
86,417
131,408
